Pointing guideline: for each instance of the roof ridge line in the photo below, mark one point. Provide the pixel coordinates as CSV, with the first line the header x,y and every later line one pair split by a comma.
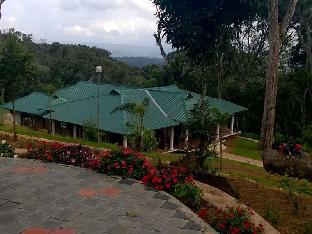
x,y
158,106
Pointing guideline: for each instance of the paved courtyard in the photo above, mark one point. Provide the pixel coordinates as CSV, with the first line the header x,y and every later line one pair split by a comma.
x,y
36,197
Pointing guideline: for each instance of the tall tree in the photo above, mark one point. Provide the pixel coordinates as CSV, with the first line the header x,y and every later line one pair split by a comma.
x,y
16,69
277,32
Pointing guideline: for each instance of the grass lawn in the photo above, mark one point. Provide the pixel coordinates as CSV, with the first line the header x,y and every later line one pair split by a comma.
x,y
259,176
32,133
3,112
164,157
246,148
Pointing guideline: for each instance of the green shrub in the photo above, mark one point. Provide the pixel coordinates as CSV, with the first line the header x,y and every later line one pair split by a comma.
x,y
306,228
272,215
307,135
189,194
210,164
6,150
90,130
150,142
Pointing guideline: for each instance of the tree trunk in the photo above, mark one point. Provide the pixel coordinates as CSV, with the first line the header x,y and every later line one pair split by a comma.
x,y
2,95
308,46
267,130
276,35
14,121
158,42
1,2
220,74
141,147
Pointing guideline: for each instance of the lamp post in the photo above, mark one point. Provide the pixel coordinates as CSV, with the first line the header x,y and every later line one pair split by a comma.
x,y
99,71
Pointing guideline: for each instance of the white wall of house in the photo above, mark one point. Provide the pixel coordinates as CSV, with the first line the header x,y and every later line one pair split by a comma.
x,y
18,118
75,131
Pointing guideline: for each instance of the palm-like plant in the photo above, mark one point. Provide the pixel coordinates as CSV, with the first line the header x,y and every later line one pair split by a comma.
x,y
138,110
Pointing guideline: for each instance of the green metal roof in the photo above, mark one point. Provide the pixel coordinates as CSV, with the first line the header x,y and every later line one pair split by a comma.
x,y
35,103
169,105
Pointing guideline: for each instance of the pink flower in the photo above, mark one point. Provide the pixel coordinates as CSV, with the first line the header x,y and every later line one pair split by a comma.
x,y
116,165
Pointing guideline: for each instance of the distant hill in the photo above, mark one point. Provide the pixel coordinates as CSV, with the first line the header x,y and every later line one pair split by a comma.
x,y
140,61
124,50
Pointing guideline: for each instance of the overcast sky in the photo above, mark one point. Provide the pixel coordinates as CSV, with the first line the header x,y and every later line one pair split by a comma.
x,y
79,21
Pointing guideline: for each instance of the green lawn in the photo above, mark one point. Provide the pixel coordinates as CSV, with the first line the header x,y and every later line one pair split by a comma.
x,y
307,148
261,177
164,157
32,133
246,148
3,112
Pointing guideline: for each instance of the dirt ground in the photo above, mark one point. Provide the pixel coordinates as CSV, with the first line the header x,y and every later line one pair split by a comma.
x,y
292,212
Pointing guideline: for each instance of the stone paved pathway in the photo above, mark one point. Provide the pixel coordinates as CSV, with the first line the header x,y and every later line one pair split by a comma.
x,y
242,159
49,198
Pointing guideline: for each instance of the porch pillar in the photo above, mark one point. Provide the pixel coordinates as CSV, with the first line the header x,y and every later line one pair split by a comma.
x,y
53,127
125,142
172,138
18,118
186,137
218,133
75,131
232,123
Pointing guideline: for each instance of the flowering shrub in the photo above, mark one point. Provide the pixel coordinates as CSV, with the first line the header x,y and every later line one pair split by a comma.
x,y
166,177
230,220
290,149
76,155
6,150
125,162
189,194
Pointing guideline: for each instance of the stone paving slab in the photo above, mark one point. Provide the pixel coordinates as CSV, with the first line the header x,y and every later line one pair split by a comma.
x,y
52,197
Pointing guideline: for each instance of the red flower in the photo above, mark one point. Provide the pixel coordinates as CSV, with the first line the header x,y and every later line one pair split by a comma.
x,y
175,180
260,227
156,180
246,225
189,179
221,225
130,170
159,187
116,165
145,180
127,152
203,213
235,230
49,157
168,185
123,164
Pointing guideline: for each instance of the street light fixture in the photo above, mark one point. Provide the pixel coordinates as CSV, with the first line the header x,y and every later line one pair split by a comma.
x,y
99,71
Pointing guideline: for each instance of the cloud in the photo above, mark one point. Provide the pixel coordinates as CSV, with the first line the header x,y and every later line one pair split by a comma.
x,y
69,5
79,21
